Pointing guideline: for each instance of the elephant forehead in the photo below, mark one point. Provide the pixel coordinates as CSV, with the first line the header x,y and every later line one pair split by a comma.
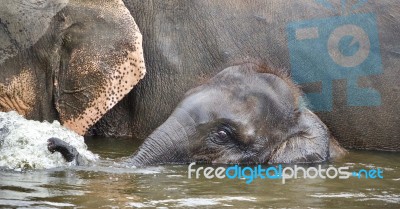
x,y
23,23
212,104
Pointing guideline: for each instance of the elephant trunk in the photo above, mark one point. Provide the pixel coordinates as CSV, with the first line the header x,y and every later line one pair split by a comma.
x,y
169,143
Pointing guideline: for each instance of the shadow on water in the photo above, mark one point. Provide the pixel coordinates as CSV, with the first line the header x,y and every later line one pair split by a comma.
x,y
108,184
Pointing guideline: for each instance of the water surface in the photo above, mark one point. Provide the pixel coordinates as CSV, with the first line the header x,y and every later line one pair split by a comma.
x,y
108,185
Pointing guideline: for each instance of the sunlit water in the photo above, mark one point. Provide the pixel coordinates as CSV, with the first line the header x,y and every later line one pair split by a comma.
x,y
108,184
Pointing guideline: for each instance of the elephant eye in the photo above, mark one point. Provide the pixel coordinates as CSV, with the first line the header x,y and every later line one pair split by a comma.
x,y
222,135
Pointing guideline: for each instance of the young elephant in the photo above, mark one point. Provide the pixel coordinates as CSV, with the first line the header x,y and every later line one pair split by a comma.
x,y
245,114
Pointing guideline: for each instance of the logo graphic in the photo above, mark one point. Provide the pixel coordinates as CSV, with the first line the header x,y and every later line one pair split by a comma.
x,y
342,47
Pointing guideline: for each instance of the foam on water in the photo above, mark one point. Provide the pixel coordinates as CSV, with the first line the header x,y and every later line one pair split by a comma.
x,y
23,143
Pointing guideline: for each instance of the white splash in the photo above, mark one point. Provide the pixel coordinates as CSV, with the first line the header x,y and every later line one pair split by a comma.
x,y
23,143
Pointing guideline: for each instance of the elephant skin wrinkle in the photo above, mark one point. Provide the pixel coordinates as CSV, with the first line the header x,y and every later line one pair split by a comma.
x,y
19,94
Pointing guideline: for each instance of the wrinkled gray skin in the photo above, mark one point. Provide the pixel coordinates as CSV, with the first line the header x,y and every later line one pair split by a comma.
x,y
67,60
190,41
245,114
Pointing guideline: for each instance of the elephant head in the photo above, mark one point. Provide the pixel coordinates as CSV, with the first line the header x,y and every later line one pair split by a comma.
x,y
245,114
71,60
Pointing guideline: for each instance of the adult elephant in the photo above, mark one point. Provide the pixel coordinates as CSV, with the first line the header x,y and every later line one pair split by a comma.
x,y
69,60
346,57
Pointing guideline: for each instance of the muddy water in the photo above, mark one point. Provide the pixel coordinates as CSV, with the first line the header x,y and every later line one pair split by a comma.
x,y
109,185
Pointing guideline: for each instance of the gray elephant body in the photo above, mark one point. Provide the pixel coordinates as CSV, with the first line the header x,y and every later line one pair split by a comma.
x,y
188,42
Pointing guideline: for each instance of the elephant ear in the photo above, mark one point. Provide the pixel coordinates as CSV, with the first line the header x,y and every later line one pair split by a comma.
x,y
309,142
101,61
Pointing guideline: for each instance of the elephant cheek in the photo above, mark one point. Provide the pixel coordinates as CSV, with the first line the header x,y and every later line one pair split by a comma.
x,y
120,82
90,88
